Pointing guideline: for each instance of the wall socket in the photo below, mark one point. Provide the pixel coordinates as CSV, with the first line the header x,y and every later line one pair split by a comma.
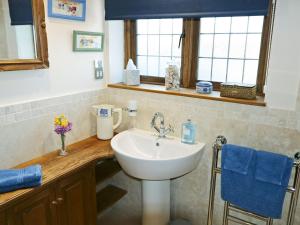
x,y
98,69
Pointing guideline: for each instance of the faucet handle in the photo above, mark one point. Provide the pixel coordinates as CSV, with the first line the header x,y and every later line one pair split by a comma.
x,y
171,128
152,124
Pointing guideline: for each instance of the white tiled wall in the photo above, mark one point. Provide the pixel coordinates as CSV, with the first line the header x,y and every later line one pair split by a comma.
x,y
26,130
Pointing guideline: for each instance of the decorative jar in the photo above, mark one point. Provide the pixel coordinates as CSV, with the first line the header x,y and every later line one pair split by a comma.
x,y
204,87
172,80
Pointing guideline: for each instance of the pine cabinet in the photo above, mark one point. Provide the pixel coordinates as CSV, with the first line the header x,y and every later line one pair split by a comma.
x,y
38,209
2,218
71,200
76,199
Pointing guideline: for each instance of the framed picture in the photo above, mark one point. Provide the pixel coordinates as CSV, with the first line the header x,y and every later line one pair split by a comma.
x,y
87,41
67,9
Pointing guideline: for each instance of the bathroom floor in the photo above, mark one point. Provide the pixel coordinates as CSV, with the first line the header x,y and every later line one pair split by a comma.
x,y
109,218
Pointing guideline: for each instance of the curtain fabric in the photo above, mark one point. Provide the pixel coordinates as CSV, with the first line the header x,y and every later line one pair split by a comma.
x,y
20,12
156,9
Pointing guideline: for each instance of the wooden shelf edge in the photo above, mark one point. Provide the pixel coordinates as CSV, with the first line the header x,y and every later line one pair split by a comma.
x,y
186,92
108,196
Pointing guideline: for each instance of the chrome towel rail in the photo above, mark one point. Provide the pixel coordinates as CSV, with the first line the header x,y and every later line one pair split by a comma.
x,y
215,169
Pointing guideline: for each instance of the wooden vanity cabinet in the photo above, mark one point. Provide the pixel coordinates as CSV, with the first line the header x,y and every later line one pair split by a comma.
x,y
36,210
76,199
2,218
70,200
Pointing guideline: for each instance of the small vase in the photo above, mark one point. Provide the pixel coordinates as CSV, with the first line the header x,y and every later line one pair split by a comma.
x,y
63,150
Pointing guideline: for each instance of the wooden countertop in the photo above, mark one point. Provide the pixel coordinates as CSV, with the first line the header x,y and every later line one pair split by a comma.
x,y
80,154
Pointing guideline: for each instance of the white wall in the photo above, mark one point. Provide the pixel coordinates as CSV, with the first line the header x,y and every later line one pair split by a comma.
x,y
69,72
115,56
284,68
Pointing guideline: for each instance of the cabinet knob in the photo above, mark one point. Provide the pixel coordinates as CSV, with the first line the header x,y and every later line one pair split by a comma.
x,y
60,199
54,202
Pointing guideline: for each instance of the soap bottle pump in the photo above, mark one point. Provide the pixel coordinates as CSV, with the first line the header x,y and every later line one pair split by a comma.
x,y
188,132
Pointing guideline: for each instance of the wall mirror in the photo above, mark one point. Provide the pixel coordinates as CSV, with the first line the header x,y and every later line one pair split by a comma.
x,y
23,38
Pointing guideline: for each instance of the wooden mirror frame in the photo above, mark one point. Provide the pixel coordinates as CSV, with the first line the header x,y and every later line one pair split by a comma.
x,y
41,62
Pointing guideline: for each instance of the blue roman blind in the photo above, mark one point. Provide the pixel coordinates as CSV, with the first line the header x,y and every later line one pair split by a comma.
x,y
20,12
155,9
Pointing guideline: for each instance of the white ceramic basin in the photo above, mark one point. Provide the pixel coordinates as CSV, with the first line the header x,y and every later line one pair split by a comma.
x,y
143,156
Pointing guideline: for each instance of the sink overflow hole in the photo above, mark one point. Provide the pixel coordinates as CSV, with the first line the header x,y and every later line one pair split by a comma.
x,y
157,144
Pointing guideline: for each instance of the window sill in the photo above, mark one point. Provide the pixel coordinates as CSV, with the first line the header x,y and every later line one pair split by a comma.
x,y
215,95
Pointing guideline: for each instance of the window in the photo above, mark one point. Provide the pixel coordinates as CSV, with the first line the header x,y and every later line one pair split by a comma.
x,y
157,44
229,49
222,49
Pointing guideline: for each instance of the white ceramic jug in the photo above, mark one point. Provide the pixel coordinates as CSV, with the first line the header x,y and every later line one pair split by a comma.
x,y
105,120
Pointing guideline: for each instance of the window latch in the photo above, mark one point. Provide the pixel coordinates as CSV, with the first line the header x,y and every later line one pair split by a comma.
x,y
180,39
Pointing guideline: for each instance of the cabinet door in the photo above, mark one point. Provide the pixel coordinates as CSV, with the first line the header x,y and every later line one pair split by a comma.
x,y
2,218
36,210
76,195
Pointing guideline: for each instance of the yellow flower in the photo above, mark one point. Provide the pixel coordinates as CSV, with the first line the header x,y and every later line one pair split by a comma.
x,y
56,121
64,122
61,121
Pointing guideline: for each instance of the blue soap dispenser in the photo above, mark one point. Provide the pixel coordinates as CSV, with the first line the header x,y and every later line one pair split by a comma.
x,y
188,132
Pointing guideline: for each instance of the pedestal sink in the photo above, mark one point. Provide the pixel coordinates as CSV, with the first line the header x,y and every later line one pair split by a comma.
x,y
155,161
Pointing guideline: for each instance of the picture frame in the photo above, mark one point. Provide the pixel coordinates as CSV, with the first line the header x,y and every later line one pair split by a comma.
x,y
67,9
84,41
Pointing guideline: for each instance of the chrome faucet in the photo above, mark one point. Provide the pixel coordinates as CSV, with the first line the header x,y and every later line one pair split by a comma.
x,y
162,130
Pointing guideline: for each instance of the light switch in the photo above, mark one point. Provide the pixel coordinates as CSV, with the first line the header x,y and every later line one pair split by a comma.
x,y
98,69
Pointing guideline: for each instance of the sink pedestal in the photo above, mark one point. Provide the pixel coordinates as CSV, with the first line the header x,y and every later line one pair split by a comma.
x,y
156,202
155,162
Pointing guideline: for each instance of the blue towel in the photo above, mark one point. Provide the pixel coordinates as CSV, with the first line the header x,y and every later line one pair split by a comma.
x,y
270,168
236,160
15,179
262,188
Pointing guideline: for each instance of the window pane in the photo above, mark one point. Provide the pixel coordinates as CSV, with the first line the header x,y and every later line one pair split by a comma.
x,y
253,46
250,73
221,45
165,45
222,25
206,45
176,50
163,63
237,46
239,24
153,26
177,26
142,26
153,45
204,69
207,25
233,46
166,26
153,66
177,60
142,44
142,64
235,70
255,24
219,70
158,43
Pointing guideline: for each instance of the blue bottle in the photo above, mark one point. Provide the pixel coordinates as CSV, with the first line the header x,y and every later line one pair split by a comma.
x,y
188,132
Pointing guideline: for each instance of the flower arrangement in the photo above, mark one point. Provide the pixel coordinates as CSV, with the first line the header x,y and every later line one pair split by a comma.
x,y
62,126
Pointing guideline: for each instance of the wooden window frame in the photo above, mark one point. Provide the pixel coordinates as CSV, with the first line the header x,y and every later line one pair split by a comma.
x,y
190,45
